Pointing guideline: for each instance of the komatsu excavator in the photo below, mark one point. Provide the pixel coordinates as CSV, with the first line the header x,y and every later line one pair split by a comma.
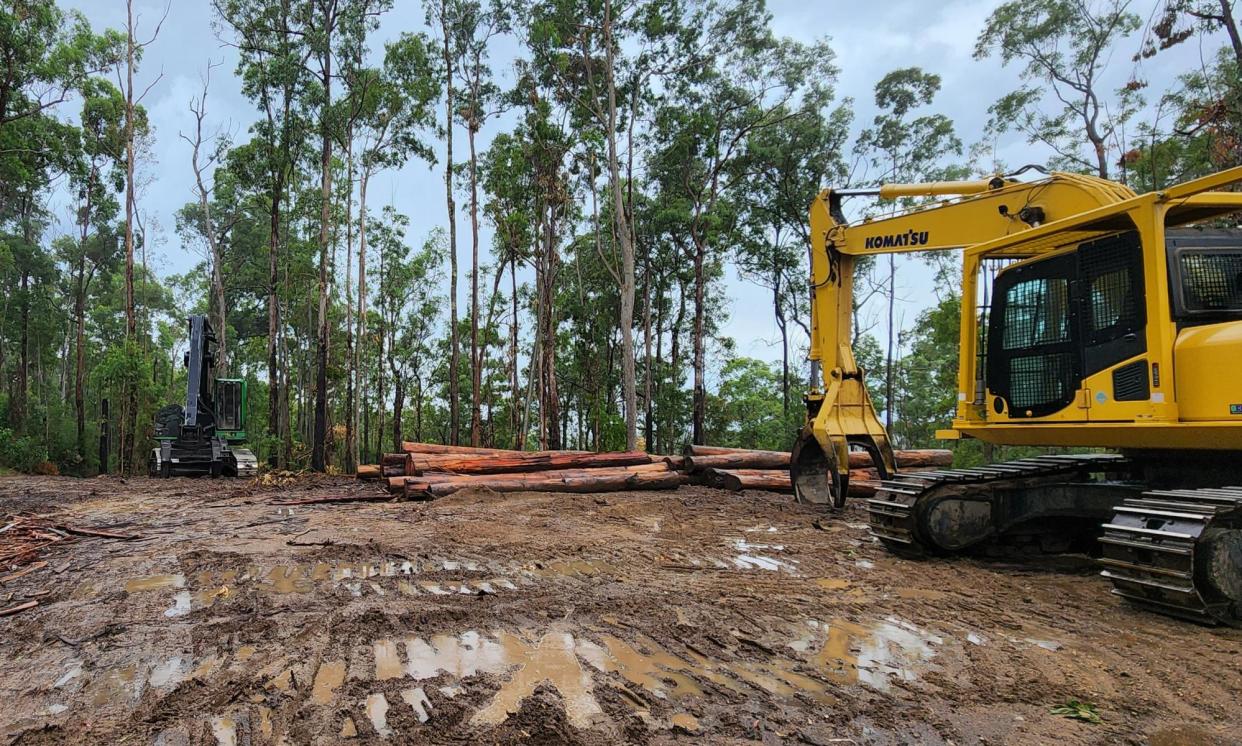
x,y
1092,317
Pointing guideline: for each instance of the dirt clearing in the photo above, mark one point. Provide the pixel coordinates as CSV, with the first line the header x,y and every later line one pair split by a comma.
x,y
645,617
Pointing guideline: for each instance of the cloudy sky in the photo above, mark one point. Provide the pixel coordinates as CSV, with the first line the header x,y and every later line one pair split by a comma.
x,y
870,39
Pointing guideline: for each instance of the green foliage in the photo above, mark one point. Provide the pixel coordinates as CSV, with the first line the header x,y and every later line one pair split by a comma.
x,y
746,410
689,125
1063,48
1203,132
21,452
1078,710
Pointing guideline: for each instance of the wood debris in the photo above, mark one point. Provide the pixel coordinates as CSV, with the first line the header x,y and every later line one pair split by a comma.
x,y
24,537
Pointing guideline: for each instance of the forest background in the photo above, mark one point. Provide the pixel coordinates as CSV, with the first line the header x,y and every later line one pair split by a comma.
x,y
528,223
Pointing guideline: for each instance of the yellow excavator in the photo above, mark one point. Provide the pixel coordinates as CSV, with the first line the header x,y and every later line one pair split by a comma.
x,y
1092,317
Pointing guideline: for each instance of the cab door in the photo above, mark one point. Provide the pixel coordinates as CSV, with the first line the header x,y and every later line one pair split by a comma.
x,y
1112,296
1034,363
1067,323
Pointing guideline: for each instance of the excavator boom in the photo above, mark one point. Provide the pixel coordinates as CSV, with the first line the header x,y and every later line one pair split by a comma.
x,y
841,413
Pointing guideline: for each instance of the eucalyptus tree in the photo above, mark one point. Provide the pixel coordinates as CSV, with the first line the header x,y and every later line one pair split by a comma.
x,y
905,145
510,207
444,14
1063,49
273,69
472,29
787,165
748,86
332,31
395,111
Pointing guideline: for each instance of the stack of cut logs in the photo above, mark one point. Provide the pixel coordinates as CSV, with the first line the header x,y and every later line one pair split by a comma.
x,y
425,471
740,469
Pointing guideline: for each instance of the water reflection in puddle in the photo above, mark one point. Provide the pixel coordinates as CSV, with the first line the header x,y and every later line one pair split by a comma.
x,y
206,587
377,711
849,653
757,557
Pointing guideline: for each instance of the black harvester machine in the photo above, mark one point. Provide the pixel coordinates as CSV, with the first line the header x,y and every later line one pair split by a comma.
x,y
204,437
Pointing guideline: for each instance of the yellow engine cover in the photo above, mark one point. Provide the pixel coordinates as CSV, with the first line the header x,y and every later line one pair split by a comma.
x,y
1207,360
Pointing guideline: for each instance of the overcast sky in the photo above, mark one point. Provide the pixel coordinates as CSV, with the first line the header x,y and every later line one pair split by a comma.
x,y
870,39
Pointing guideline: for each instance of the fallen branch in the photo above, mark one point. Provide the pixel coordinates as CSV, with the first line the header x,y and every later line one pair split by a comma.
x,y
368,497
97,532
18,608
29,569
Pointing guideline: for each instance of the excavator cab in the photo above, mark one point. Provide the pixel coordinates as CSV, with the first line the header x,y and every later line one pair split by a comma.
x,y
1055,323
1092,317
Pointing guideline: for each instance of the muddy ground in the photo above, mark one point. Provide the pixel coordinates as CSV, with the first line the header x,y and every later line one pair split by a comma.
x,y
593,619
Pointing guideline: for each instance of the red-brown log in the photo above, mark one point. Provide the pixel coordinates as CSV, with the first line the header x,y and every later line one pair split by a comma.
x,y
437,449
863,482
397,484
744,459
590,480
693,450
528,462
677,463
741,460
368,472
771,480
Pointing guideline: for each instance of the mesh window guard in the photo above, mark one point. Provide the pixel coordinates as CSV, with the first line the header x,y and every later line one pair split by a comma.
x,y
1211,280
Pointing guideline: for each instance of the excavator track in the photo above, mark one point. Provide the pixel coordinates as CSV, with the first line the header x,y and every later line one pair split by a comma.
x,y
895,509
1179,552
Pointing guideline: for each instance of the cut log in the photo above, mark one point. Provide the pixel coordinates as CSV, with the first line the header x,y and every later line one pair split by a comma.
x,y
693,450
772,480
437,449
926,458
676,463
528,462
397,484
739,460
863,482
368,472
736,458
585,481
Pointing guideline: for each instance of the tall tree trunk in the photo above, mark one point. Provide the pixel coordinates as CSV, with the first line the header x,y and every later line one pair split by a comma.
x,y
361,320
781,323
398,404
551,404
351,353
79,319
320,434
1231,27
130,419
79,354
476,356
888,357
699,407
18,413
219,319
454,345
273,323
515,413
675,361
647,413
628,384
